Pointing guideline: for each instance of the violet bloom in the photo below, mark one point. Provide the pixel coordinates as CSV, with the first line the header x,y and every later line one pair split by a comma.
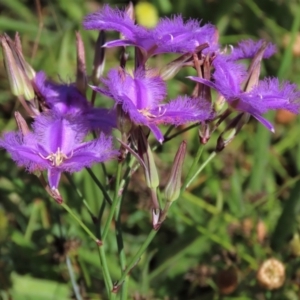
x,y
249,48
56,145
141,96
268,94
169,36
65,99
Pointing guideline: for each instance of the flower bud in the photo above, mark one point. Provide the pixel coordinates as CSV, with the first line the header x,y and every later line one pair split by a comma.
x,y
271,274
219,104
124,124
146,155
130,11
99,58
254,69
295,245
81,78
22,125
172,190
19,72
172,68
231,130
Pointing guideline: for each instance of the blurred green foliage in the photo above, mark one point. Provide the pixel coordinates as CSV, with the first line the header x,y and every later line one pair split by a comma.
x,y
242,209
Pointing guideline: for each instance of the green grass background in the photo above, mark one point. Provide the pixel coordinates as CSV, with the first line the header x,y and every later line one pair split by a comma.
x,y
216,225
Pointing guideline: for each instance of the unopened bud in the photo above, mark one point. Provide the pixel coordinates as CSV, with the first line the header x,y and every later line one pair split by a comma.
x,y
271,274
146,155
124,124
19,72
172,190
219,104
130,11
81,78
295,245
99,58
172,68
231,130
204,133
22,125
254,69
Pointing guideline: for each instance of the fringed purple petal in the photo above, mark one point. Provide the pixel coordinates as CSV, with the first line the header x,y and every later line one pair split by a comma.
x,y
102,119
119,43
24,151
55,132
88,153
183,110
111,19
206,82
137,95
176,36
271,94
63,98
228,76
156,132
249,48
263,121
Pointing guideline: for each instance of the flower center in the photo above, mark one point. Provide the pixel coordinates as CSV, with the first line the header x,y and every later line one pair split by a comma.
x,y
149,115
56,158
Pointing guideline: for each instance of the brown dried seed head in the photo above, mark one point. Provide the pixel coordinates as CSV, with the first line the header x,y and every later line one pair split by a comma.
x,y
271,274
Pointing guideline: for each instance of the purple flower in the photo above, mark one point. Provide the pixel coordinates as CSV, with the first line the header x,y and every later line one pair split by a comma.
x,y
141,96
169,36
176,36
65,99
268,94
56,145
249,48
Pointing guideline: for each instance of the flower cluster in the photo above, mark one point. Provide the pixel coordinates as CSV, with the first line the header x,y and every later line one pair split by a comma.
x,y
63,118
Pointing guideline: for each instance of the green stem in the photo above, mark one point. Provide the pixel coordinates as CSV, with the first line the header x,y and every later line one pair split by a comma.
x,y
192,168
99,184
121,251
106,274
212,155
136,257
73,280
68,209
115,202
71,181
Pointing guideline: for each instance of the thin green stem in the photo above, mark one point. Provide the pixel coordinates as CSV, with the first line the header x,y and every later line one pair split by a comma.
x,y
192,168
72,277
136,257
168,131
99,184
71,181
83,226
106,274
212,155
115,202
121,251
